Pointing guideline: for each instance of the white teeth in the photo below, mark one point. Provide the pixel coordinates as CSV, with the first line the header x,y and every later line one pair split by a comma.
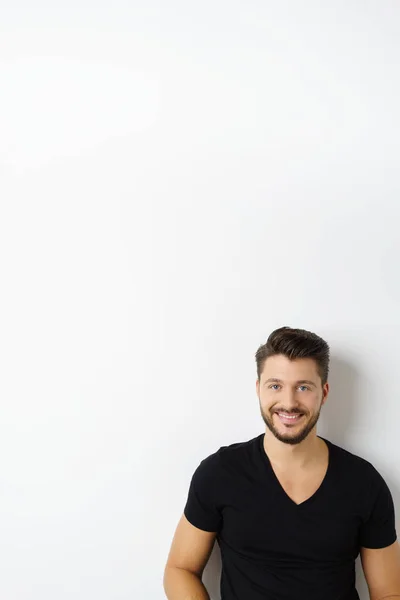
x,y
289,416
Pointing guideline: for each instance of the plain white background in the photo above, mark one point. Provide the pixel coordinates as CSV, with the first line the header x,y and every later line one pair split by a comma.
x,y
177,180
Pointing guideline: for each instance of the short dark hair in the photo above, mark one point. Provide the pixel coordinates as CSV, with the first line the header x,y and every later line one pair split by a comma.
x,y
295,343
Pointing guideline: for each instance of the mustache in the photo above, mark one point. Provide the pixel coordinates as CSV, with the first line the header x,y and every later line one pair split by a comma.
x,y
288,412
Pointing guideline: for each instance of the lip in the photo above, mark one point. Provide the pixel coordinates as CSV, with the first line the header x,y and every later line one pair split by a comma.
x,y
288,420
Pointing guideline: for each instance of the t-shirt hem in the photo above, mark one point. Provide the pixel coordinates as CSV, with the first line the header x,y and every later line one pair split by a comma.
x,y
209,527
384,543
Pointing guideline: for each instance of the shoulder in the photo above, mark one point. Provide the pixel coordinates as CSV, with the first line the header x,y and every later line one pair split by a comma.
x,y
356,468
228,458
350,458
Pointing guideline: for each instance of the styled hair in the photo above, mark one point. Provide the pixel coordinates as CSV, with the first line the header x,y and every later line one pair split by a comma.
x,y
295,343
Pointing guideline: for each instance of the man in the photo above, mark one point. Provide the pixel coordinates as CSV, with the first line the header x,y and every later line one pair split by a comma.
x,y
290,510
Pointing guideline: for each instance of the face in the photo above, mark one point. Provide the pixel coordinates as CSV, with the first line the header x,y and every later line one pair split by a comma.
x,y
291,396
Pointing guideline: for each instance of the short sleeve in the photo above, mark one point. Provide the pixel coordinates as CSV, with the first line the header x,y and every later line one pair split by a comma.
x,y
379,529
201,508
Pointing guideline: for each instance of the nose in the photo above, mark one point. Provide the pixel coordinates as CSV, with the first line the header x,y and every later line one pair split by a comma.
x,y
289,401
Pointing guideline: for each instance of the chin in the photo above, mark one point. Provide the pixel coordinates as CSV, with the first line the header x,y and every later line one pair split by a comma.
x,y
289,437
292,440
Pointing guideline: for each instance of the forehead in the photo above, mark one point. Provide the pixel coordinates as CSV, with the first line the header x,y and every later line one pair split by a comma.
x,y
281,367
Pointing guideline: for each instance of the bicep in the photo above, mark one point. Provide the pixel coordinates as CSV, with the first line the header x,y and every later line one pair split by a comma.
x,y
191,547
382,570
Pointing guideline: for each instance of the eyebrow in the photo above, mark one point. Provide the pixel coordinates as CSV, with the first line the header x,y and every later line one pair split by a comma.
x,y
275,380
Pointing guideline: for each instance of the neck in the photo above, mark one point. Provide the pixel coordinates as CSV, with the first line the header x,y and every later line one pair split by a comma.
x,y
284,455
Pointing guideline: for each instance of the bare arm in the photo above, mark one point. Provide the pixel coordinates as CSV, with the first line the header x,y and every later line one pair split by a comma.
x,y
189,554
382,571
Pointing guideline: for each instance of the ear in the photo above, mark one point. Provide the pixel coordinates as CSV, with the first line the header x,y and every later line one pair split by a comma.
x,y
258,388
325,391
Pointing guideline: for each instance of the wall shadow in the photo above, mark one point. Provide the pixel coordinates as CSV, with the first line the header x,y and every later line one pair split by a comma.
x,y
338,413
212,573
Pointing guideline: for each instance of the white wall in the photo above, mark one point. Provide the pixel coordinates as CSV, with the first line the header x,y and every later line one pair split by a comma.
x,y
177,180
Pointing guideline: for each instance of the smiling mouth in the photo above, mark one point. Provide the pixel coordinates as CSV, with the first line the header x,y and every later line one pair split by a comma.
x,y
289,419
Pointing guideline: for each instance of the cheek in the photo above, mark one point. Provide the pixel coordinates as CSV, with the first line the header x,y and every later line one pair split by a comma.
x,y
312,404
267,405
267,401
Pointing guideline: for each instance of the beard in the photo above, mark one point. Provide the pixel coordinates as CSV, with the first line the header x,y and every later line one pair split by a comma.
x,y
291,438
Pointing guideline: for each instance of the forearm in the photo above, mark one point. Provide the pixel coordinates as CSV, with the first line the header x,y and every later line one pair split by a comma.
x,y
183,585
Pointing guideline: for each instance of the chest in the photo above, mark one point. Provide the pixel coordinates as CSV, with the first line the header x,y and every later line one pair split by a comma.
x,y
297,519
299,486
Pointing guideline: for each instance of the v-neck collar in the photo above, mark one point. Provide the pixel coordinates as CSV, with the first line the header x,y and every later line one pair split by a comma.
x,y
278,484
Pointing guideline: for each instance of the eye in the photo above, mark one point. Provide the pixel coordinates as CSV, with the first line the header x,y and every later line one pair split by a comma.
x,y
303,387
274,386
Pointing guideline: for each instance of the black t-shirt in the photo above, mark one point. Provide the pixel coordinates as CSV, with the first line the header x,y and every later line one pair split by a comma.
x,y
274,549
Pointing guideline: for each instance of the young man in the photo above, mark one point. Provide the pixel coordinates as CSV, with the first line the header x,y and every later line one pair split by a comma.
x,y
290,510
